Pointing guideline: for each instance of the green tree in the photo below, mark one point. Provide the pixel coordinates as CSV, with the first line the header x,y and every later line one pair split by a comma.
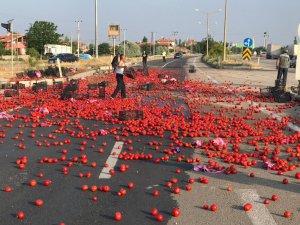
x,y
238,50
160,49
3,51
146,48
259,49
32,52
104,49
145,39
132,49
41,33
216,50
295,41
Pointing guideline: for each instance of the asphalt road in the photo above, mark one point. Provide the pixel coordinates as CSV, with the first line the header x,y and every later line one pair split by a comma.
x,y
65,201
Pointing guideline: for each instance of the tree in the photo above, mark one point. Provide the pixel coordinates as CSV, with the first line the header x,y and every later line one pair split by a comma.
x,y
132,49
145,39
160,49
180,43
41,33
238,50
146,48
32,52
104,49
3,51
260,49
295,41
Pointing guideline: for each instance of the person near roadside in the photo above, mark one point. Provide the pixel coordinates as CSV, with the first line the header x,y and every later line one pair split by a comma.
x,y
115,61
282,64
144,57
119,76
164,56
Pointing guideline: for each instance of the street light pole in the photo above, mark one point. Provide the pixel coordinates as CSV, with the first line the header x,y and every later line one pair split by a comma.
x,y
225,30
175,33
207,25
11,46
124,41
96,28
207,30
78,36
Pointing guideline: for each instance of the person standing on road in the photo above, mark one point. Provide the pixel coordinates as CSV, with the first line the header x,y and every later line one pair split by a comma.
x,y
119,76
144,56
115,61
282,64
164,56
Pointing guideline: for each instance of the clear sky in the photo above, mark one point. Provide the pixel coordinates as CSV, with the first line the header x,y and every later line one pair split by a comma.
x,y
246,18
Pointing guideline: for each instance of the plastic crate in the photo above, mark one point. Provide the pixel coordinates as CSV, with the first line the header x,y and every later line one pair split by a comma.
x,y
147,87
92,86
58,85
266,91
131,115
41,86
10,92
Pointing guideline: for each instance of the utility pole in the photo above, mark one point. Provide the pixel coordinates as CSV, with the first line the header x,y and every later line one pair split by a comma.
x,y
207,24
71,40
114,44
124,40
96,28
225,30
266,37
154,43
174,34
78,36
10,22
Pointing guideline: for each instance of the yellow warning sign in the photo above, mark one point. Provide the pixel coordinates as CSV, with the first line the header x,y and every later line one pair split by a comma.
x,y
247,53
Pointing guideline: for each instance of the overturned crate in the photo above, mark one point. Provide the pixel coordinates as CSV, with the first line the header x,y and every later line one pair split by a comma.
x,y
10,92
147,87
41,86
266,92
131,115
192,69
58,85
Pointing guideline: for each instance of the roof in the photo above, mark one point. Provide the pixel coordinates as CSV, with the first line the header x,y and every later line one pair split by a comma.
x,y
164,40
7,38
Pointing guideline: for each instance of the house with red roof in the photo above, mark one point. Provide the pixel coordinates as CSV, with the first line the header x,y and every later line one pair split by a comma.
x,y
19,43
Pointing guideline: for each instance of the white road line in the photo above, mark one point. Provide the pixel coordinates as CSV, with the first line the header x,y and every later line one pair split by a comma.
x,y
112,160
150,187
168,63
265,111
259,214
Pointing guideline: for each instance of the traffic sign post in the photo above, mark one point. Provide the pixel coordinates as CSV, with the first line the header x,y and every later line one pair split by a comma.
x,y
247,53
248,43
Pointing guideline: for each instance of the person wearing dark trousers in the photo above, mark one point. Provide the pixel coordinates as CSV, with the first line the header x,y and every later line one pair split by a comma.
x,y
164,56
282,64
144,56
119,76
115,62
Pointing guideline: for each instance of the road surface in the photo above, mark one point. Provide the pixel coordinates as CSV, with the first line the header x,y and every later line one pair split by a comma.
x,y
208,93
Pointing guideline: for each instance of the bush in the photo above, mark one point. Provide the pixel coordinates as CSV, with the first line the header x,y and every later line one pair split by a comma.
x,y
132,49
33,62
160,49
32,52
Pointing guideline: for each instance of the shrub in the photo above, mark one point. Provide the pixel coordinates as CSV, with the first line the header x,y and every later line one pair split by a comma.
x,y
32,52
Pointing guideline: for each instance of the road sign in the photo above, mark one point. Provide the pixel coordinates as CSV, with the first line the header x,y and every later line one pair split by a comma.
x,y
247,53
248,42
114,31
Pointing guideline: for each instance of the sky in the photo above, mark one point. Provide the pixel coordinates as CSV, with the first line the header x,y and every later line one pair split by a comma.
x,y
246,18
